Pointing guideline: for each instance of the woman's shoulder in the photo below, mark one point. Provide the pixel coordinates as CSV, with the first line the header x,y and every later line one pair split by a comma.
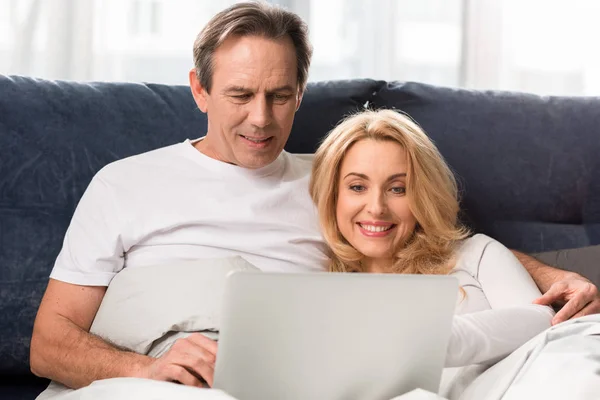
x,y
470,251
476,242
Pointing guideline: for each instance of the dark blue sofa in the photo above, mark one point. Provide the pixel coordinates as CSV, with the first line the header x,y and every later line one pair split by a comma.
x,y
529,168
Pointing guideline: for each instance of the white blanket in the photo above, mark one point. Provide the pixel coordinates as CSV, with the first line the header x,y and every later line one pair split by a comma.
x,y
561,363
135,389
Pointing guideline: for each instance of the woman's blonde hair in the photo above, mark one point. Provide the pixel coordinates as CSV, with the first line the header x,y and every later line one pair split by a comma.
x,y
431,189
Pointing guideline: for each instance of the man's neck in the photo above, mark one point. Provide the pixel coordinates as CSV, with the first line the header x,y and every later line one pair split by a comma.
x,y
204,147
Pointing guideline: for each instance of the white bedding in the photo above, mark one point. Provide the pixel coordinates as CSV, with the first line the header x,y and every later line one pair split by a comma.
x,y
561,363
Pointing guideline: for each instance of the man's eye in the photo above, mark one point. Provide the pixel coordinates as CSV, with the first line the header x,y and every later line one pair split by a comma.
x,y
398,190
281,98
357,188
242,96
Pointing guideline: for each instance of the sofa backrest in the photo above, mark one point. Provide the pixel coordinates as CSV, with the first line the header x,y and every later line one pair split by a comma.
x,y
529,165
526,164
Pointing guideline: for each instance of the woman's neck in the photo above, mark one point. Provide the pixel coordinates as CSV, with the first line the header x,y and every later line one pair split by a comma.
x,y
377,265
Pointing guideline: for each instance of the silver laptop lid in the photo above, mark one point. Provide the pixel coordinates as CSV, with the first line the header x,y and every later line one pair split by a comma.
x,y
332,336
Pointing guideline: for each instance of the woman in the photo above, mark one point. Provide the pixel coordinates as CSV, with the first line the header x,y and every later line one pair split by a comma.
x,y
388,203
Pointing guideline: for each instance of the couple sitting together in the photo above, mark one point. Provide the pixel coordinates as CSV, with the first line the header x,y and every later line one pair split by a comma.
x,y
386,202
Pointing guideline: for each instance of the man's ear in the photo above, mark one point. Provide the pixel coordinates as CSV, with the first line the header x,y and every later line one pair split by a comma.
x,y
199,93
299,99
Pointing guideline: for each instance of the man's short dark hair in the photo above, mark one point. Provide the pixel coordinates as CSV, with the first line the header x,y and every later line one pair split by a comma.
x,y
251,19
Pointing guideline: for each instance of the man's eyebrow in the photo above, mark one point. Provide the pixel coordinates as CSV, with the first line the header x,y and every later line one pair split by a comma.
x,y
236,89
241,89
365,177
285,88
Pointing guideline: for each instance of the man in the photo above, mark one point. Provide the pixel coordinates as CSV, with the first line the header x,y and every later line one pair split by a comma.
x,y
236,192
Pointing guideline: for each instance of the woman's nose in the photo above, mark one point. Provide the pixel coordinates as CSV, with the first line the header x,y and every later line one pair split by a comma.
x,y
377,205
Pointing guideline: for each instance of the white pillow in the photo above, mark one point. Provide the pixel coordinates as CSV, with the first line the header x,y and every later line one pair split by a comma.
x,y
144,304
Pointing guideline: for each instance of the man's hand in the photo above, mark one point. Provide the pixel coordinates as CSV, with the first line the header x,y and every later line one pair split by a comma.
x,y
190,361
577,296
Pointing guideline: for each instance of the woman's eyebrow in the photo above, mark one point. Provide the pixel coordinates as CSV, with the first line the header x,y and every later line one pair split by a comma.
x,y
396,176
363,176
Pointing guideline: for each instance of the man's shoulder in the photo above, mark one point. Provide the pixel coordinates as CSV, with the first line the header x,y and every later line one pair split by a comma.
x,y
142,162
306,158
301,162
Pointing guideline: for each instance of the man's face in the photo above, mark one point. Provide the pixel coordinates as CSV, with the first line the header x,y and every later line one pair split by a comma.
x,y
252,101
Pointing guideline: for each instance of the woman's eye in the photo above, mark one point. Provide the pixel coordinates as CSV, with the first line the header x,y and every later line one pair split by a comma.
x,y
357,188
398,190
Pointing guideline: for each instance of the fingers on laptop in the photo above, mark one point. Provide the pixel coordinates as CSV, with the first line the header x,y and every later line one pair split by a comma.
x,y
191,361
204,342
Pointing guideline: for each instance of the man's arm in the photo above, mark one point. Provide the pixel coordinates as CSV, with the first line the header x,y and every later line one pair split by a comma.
x,y
63,350
61,347
576,295
543,275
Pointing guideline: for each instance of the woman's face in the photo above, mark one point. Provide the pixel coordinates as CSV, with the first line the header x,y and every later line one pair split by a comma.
x,y
372,210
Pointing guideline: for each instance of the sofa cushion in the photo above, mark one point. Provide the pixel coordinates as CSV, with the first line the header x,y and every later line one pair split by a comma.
x,y
21,387
585,261
324,104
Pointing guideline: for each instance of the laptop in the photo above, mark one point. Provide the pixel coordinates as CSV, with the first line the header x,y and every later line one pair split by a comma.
x,y
333,336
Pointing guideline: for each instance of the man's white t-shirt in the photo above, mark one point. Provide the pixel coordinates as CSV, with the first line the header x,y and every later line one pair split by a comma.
x,y
175,204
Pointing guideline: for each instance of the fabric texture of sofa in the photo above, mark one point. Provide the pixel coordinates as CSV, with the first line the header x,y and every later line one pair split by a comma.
x,y
528,167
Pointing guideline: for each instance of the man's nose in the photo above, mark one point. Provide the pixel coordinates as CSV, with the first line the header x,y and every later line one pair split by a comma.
x,y
260,114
